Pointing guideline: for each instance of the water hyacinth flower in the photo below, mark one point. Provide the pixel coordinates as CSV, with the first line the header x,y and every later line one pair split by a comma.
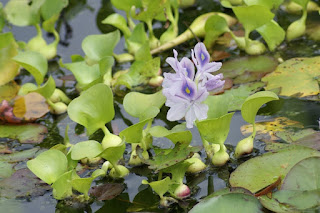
x,y
186,90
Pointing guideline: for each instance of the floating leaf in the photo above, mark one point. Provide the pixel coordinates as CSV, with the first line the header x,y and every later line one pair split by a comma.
x,y
215,26
33,62
252,17
62,187
259,172
107,191
295,77
86,149
215,130
272,33
6,170
119,22
52,8
92,47
164,159
93,108
231,202
175,135
140,105
19,156
8,49
30,107
248,68
27,133
22,184
49,165
113,154
253,103
20,13
8,91
269,129
134,133
161,186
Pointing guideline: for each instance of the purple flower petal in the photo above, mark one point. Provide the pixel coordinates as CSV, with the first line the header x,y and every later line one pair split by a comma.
x,y
177,112
201,54
188,65
201,111
190,118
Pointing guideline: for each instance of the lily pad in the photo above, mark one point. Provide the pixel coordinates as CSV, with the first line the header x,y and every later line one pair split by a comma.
x,y
22,184
20,156
259,172
8,91
27,133
93,108
295,77
6,169
30,107
107,191
249,68
231,202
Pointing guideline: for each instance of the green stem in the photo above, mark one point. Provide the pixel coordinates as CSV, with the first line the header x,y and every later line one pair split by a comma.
x,y
105,130
149,25
51,104
160,175
130,22
115,166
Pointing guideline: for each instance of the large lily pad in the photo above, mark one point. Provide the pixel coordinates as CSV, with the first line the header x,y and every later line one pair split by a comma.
x,y
231,202
20,156
295,77
6,169
261,171
93,108
249,68
28,133
21,184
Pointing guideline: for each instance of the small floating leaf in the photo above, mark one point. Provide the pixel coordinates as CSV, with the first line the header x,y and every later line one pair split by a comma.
x,y
86,149
27,133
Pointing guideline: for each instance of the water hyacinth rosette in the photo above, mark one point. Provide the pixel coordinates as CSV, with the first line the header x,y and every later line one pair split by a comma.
x,y
186,89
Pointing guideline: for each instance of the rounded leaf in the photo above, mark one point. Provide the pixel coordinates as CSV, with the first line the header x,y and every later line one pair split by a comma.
x,y
49,165
86,149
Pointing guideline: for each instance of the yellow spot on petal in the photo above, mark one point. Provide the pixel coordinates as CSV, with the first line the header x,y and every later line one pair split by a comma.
x,y
187,90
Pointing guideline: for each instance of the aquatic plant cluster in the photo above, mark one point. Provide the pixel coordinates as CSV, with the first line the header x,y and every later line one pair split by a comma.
x,y
198,94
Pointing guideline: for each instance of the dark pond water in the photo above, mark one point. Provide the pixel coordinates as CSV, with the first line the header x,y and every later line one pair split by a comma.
x,y
83,18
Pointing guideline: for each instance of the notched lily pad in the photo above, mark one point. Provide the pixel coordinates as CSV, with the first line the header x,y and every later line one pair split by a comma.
x,y
296,77
249,68
23,183
27,133
19,156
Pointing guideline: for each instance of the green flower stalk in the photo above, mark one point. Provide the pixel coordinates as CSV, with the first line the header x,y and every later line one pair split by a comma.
x,y
57,108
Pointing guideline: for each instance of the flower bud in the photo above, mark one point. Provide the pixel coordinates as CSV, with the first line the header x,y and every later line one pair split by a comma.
x,y
110,140
123,171
182,191
245,146
156,81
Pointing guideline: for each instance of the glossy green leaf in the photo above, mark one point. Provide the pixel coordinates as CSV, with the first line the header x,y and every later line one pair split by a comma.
x,y
138,104
33,62
215,26
253,103
113,154
83,184
177,172
218,105
160,187
126,4
8,49
51,8
119,22
49,165
215,130
248,68
272,33
232,202
259,172
83,73
175,135
20,13
93,108
286,75
165,159
151,9
267,3
62,187
86,149
47,89
49,25
137,39
27,133
252,17
2,17
134,133
93,48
